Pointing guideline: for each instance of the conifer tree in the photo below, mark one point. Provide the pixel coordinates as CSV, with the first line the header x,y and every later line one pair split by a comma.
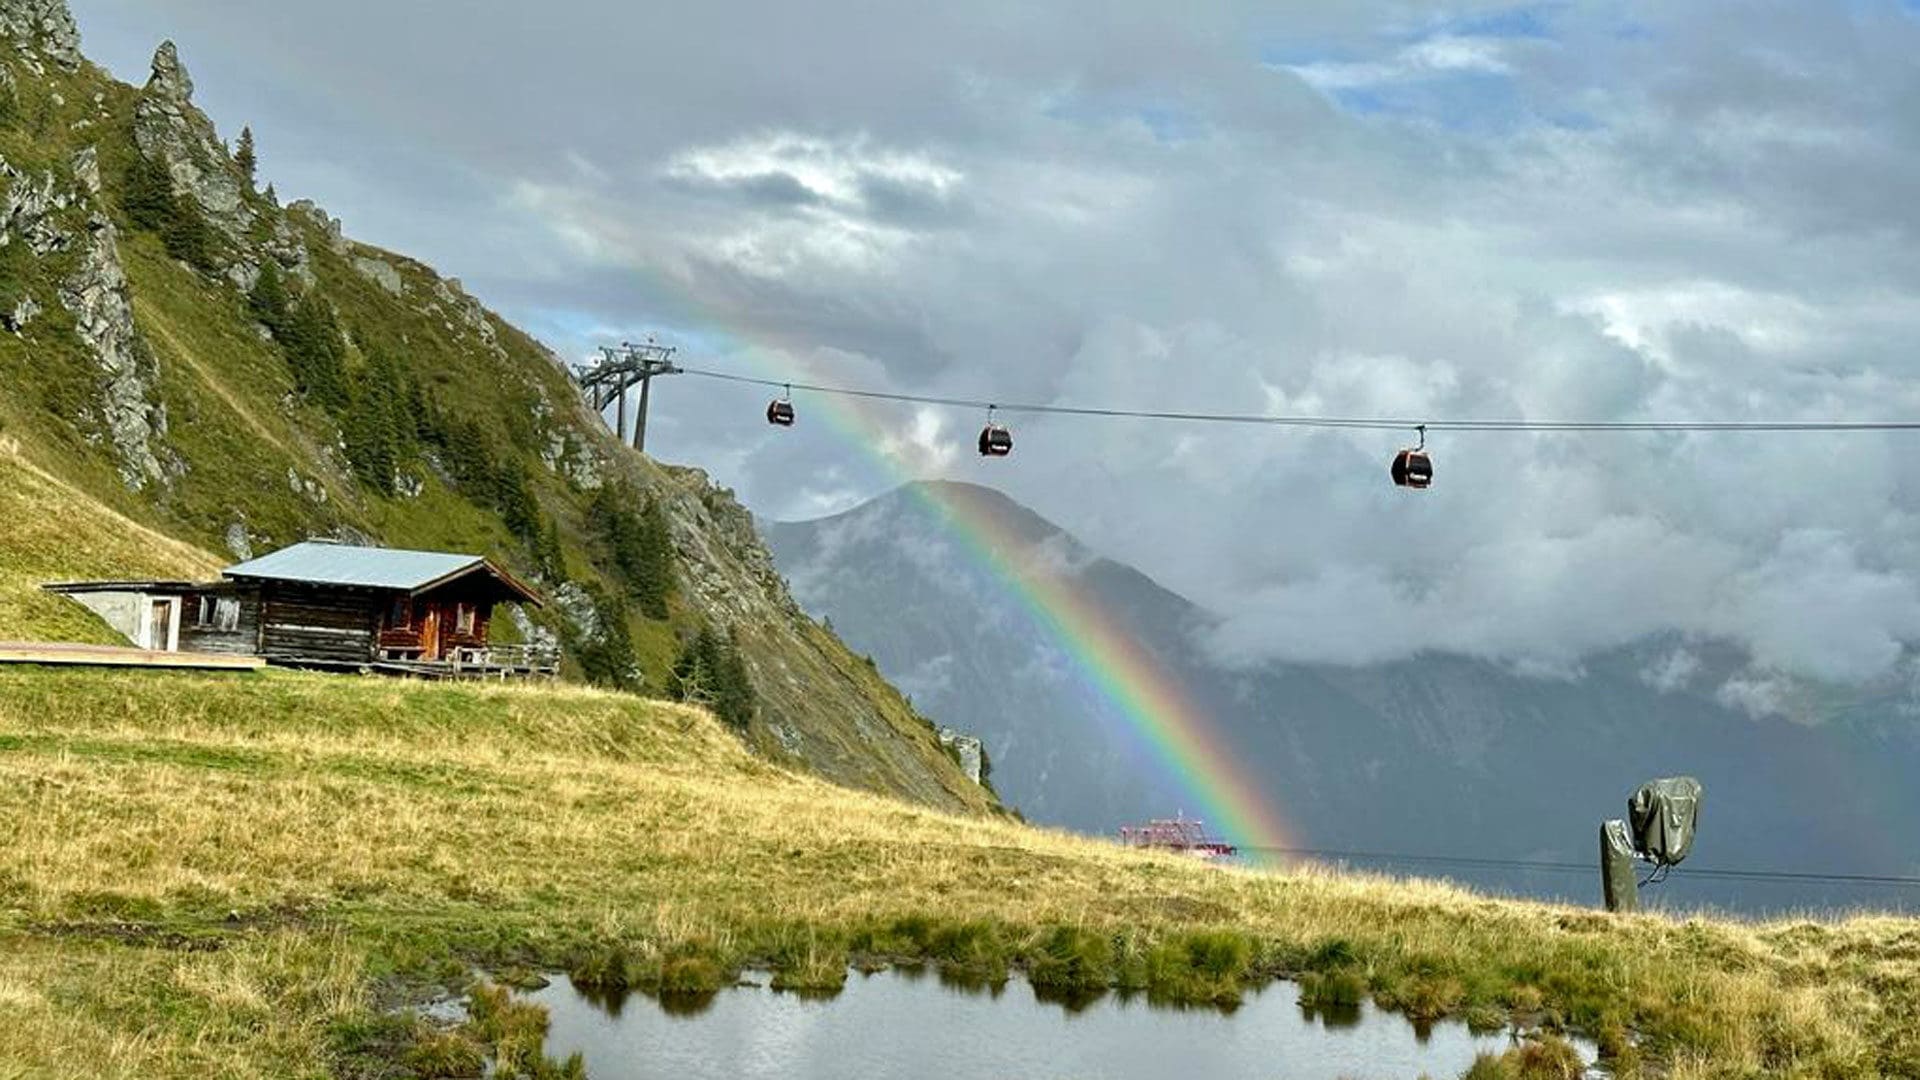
x,y
188,236
513,496
607,658
548,555
243,156
733,688
368,440
638,543
377,435
711,671
421,413
147,195
653,577
268,299
151,204
469,459
313,348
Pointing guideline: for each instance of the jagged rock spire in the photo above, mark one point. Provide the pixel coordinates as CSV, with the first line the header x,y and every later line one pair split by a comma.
x,y
43,25
170,78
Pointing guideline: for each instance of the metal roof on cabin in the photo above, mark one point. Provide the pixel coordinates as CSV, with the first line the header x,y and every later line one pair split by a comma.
x,y
344,564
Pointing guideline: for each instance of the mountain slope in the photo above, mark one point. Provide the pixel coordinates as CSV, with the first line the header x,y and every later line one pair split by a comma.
x,y
1443,755
184,358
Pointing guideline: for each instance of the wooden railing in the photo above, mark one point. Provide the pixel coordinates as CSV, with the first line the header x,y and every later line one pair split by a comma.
x,y
531,659
492,661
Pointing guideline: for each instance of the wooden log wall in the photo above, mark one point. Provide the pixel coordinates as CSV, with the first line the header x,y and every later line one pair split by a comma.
x,y
242,640
304,624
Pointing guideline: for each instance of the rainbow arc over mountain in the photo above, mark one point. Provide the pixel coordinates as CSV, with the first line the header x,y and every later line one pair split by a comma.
x,y
1162,715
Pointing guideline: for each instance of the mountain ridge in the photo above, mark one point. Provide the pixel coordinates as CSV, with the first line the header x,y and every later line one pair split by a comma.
x,y
183,353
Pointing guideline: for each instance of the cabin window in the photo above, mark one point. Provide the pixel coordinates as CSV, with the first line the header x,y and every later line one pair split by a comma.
x,y
216,613
463,618
400,613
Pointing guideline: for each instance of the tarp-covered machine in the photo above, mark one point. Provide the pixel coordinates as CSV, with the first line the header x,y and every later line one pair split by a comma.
x,y
1662,820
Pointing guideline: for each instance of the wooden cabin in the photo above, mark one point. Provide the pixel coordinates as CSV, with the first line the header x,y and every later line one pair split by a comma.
x,y
327,605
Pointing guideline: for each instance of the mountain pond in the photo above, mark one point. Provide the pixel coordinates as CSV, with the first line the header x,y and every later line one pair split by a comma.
x,y
906,1022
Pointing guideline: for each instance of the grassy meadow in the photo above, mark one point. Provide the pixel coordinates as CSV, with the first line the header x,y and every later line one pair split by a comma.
x,y
250,874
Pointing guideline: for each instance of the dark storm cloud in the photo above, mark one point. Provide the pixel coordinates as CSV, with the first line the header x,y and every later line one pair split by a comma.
x,y
1567,210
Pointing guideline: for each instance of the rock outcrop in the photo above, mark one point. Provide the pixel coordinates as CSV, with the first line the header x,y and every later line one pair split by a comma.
x,y
42,28
167,128
102,305
964,747
381,273
29,211
62,226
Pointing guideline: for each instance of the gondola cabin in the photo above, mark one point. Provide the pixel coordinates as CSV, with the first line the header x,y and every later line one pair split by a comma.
x,y
780,413
326,605
1413,469
995,441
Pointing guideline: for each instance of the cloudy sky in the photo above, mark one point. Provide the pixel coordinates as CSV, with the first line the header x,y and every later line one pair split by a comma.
x,y
1557,211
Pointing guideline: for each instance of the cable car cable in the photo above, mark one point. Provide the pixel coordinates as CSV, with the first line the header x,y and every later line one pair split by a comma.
x,y
1422,427
1365,423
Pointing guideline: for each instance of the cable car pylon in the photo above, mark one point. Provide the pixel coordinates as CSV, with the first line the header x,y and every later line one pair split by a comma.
x,y
618,371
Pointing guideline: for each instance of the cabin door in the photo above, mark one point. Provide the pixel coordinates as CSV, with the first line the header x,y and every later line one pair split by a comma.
x,y
429,617
160,625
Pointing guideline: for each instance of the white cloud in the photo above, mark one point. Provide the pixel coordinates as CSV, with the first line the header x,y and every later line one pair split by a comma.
x,y
836,171
1759,696
1672,671
1710,216
924,446
1443,54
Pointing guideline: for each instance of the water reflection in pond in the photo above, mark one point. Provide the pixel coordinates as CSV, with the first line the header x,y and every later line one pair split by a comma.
x,y
907,1024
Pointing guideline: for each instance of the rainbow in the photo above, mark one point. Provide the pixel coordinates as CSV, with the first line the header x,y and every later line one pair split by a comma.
x,y
1155,706
1158,712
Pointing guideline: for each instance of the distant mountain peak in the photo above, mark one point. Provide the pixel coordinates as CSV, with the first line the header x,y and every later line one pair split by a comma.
x,y
980,510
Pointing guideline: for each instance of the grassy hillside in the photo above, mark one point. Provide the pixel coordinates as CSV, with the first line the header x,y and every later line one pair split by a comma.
x,y
195,372
50,531
239,876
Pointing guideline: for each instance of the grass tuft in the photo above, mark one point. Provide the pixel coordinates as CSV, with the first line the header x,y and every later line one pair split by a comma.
x,y
1070,959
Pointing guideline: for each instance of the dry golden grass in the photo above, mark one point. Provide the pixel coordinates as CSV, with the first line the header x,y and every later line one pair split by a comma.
x,y
49,531
313,826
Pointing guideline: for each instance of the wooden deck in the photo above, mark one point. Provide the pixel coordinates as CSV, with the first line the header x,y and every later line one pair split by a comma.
x,y
70,654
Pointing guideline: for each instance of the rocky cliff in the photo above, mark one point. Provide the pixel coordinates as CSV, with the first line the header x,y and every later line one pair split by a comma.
x,y
180,350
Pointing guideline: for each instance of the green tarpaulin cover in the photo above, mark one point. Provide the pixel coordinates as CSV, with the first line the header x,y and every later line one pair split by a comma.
x,y
1664,816
1617,868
